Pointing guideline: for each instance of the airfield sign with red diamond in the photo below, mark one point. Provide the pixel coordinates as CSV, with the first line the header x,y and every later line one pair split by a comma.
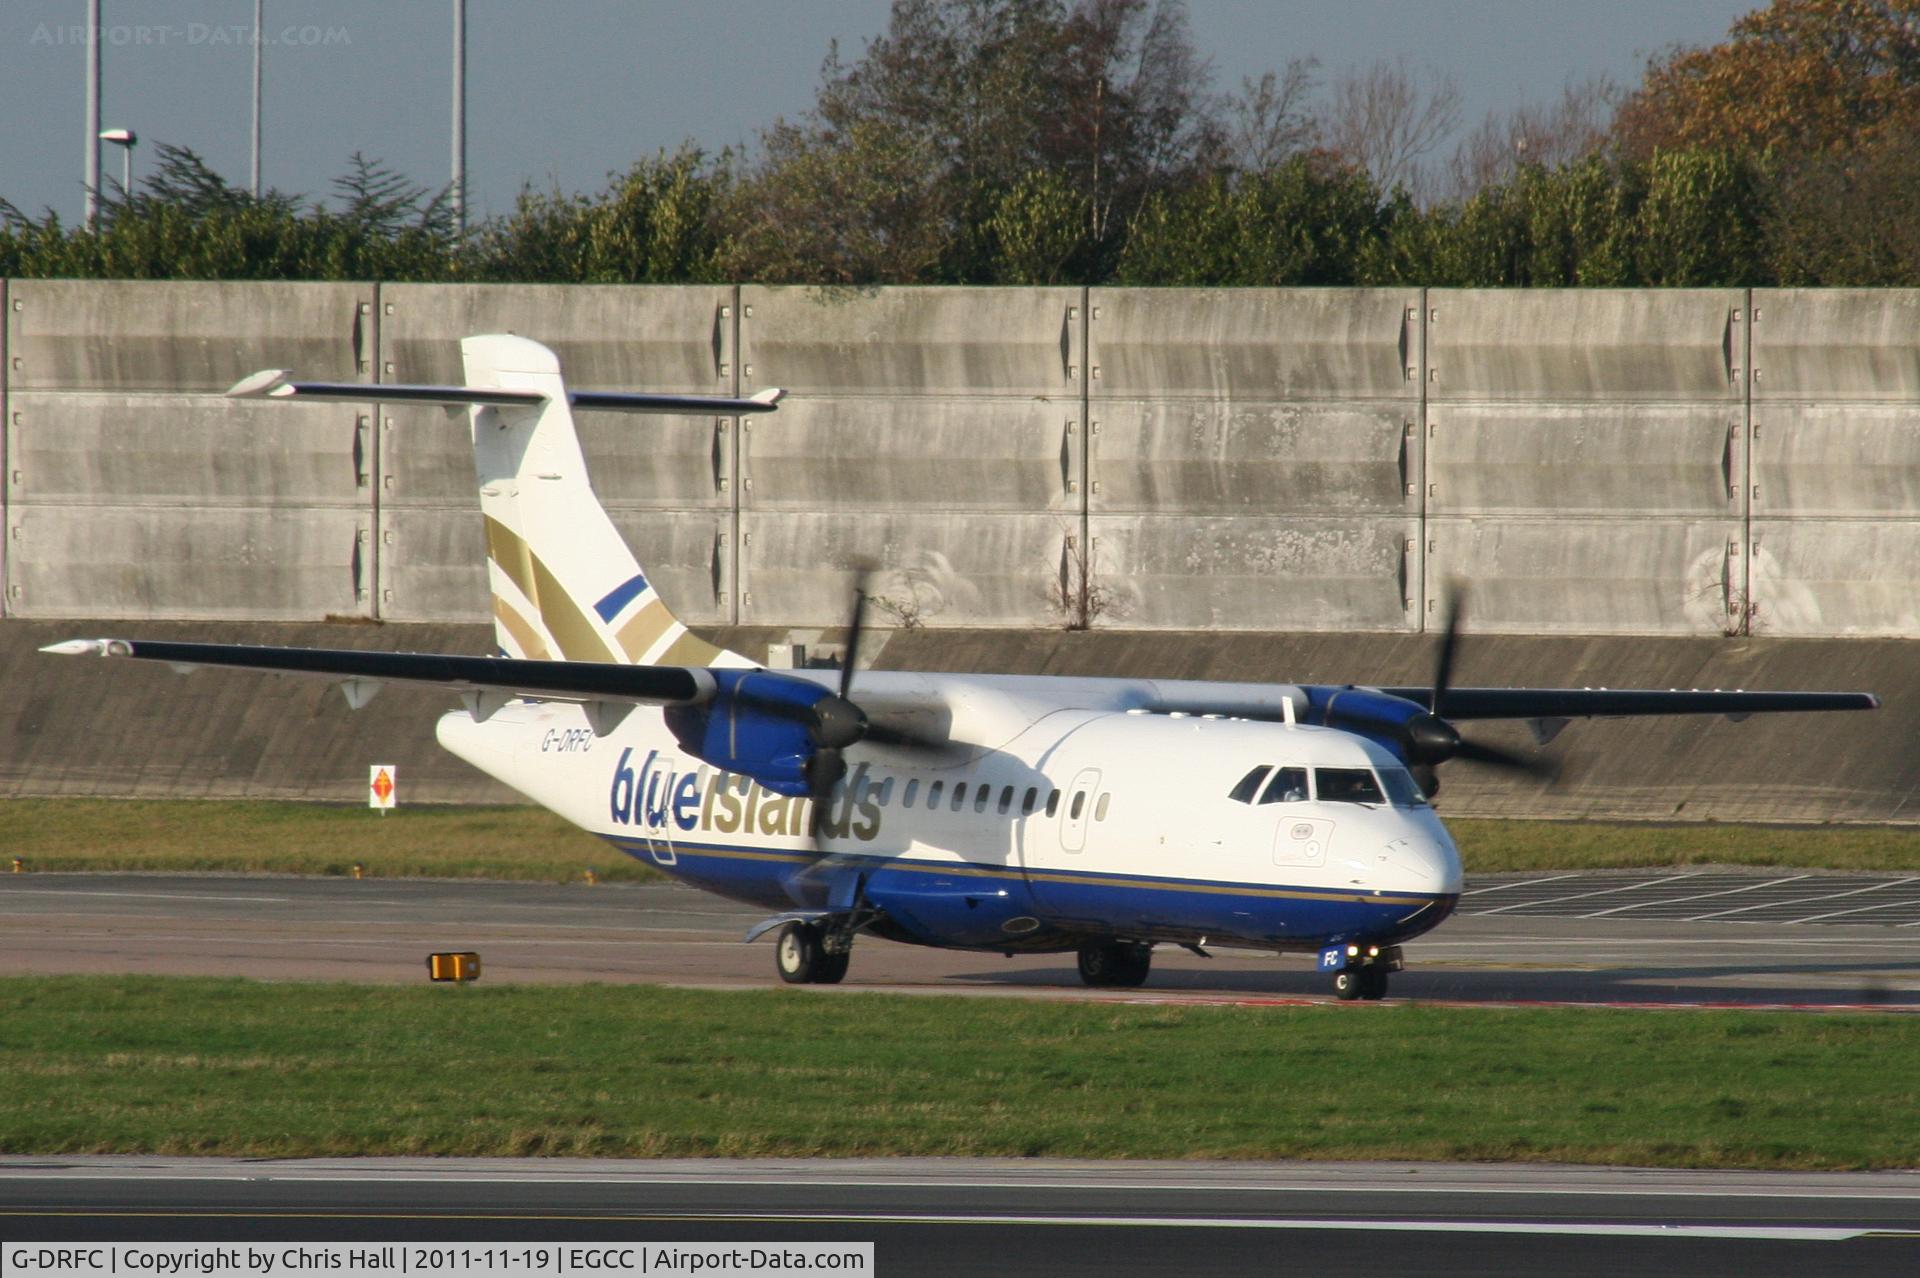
x,y
380,788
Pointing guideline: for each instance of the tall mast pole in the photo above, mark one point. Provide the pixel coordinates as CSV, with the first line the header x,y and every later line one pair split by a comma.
x,y
258,15
93,113
460,116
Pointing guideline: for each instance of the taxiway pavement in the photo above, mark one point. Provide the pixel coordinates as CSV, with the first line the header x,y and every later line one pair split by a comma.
x,y
1543,938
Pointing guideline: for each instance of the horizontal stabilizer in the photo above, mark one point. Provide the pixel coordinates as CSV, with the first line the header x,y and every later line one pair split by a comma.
x,y
276,383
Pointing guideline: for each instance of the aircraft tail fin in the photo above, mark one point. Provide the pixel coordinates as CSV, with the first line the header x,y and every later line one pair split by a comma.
x,y
564,582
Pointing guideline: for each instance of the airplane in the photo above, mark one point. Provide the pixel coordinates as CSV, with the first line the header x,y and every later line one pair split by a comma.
x,y
1013,814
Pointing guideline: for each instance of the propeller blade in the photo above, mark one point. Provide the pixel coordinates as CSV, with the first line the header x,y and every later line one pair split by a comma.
x,y
851,660
1495,757
1449,644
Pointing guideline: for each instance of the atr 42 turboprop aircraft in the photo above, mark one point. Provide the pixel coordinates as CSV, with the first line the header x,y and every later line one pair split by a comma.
x,y
993,813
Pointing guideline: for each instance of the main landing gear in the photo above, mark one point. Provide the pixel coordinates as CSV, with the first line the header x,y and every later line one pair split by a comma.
x,y
807,954
1365,975
1115,964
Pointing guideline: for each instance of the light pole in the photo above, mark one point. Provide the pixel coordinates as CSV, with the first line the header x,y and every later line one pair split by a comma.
x,y
460,116
93,112
126,140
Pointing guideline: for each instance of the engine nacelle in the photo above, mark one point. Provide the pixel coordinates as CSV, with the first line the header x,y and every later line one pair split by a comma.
x,y
758,724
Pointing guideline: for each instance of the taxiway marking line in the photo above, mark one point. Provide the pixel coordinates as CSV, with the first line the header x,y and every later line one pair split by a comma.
x,y
1555,900
1698,896
1766,1233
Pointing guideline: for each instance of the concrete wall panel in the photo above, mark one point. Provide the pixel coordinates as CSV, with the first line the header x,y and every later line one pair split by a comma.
x,y
1830,460
1547,576
608,336
1629,460
1317,573
1585,344
143,561
1243,457
1835,344
872,454
186,450
923,342
950,569
135,335
1253,344
1836,577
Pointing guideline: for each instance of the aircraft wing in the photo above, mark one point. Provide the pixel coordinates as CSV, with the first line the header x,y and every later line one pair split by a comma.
x,y
1608,703
560,680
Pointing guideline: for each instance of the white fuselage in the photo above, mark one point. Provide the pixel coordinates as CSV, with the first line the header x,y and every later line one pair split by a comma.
x,y
1052,824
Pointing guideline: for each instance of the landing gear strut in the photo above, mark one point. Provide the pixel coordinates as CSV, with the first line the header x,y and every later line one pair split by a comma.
x,y
1111,964
803,956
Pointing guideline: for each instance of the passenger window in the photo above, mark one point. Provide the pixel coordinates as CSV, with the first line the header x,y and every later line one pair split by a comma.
x,y
1249,785
1289,785
886,792
980,797
933,793
1079,806
911,793
1053,803
1026,804
1006,800
1347,785
1100,808
959,795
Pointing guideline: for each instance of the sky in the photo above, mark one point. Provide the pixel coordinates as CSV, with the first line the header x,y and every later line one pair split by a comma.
x,y
564,92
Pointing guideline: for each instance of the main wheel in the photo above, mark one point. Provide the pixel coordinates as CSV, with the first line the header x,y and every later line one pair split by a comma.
x,y
1347,984
1112,964
831,969
798,956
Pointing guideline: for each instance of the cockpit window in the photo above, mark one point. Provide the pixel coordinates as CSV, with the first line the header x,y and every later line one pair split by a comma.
x,y
1249,785
1289,785
1402,790
1347,785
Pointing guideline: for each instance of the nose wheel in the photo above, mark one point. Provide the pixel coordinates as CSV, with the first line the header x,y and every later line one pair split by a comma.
x,y
1360,982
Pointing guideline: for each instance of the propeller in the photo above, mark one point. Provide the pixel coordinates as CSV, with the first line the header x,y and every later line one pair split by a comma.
x,y
1431,741
838,723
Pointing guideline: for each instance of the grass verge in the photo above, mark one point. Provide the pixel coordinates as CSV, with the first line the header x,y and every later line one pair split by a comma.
x,y
195,1066
531,843
1492,846
305,838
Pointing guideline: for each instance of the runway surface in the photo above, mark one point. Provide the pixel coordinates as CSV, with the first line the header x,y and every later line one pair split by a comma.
x,y
995,1216
1751,939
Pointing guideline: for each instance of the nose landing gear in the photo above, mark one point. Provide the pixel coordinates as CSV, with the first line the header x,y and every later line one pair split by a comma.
x,y
1362,973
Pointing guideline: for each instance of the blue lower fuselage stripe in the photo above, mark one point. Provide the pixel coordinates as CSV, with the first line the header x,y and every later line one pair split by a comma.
x,y
996,907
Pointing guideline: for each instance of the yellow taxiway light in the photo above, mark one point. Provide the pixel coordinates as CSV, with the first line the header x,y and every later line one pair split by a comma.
x,y
464,966
19,866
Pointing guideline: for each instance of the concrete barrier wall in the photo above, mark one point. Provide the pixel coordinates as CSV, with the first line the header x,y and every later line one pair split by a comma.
x,y
1253,459
934,432
1680,462
134,489
1835,475
1580,451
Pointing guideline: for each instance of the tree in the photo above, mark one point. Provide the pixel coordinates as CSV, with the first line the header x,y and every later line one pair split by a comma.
x,y
1799,77
1270,119
1387,118
912,151
1563,132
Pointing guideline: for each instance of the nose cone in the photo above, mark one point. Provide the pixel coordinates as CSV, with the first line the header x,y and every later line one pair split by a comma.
x,y
1425,864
